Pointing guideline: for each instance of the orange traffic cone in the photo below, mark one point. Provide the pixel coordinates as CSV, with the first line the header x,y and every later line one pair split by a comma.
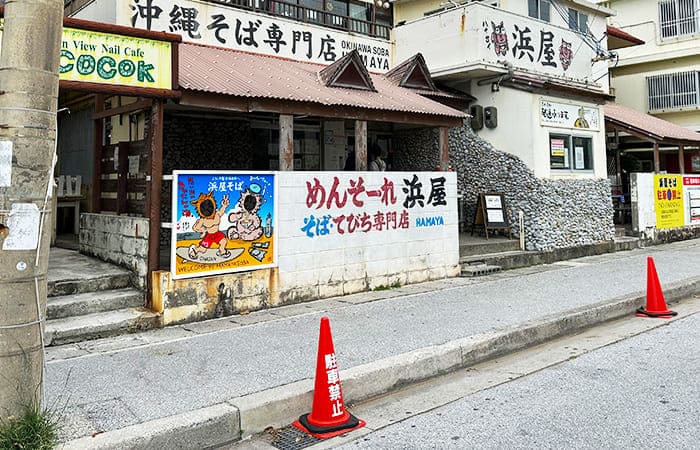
x,y
656,305
328,416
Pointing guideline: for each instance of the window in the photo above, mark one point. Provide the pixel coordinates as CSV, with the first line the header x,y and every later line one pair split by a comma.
x,y
578,21
678,17
568,152
674,90
539,9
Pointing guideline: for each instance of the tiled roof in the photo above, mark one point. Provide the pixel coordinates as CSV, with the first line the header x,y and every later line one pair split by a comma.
x,y
648,125
242,74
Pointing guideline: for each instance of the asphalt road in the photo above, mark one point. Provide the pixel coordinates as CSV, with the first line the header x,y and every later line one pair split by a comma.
x,y
640,393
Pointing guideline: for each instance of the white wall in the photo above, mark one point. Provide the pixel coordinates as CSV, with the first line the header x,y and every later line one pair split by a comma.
x,y
337,263
99,11
520,133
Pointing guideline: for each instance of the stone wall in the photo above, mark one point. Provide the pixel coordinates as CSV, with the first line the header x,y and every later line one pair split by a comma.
x,y
194,143
120,240
558,213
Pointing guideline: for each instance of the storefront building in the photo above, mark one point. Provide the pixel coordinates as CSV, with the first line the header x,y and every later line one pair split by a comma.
x,y
230,194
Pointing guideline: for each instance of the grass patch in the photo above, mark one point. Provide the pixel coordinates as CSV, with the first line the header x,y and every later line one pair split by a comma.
x,y
35,430
386,287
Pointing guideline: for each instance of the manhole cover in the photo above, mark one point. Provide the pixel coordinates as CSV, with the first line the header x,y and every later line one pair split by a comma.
x,y
291,438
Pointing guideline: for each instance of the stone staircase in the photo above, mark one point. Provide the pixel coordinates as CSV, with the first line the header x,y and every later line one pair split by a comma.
x,y
485,257
89,299
482,256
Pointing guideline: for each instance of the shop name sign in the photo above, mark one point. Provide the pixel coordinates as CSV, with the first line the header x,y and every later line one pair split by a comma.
x,y
564,115
95,57
219,25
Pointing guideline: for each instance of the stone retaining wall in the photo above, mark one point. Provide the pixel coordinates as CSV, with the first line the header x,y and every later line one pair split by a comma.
x,y
121,240
558,213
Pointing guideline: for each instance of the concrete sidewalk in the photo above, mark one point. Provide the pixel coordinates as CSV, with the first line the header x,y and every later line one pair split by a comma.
x,y
206,384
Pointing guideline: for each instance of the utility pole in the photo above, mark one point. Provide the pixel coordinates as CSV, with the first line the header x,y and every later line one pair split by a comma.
x,y
31,45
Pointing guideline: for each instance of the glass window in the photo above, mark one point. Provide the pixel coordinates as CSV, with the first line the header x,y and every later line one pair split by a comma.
x,y
539,9
578,21
568,152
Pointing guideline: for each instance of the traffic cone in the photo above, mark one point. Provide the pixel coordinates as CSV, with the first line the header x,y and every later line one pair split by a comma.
x,y
328,416
656,305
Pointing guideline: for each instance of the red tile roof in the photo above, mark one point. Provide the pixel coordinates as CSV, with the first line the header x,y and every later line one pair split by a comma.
x,y
648,125
236,73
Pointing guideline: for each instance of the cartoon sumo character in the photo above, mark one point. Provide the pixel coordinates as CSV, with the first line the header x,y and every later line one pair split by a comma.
x,y
499,39
246,224
565,54
208,225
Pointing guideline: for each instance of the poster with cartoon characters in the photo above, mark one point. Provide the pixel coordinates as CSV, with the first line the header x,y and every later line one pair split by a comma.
x,y
222,222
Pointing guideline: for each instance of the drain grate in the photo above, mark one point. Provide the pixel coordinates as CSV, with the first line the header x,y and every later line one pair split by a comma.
x,y
291,438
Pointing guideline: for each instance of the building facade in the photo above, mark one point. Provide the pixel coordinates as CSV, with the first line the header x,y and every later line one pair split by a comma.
x,y
661,77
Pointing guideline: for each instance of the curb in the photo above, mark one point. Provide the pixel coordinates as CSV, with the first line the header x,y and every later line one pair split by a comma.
x,y
247,415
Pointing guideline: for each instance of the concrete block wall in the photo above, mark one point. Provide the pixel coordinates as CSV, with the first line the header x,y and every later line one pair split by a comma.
x,y
314,265
121,240
337,264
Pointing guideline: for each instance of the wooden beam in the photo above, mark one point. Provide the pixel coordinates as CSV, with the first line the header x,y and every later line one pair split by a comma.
x,y
444,142
131,107
657,159
98,130
286,142
155,153
681,159
360,145
129,91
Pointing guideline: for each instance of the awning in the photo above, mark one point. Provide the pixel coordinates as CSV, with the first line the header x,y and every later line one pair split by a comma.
x,y
647,126
621,39
235,80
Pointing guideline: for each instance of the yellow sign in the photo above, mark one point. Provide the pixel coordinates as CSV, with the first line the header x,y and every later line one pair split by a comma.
x,y
668,201
95,57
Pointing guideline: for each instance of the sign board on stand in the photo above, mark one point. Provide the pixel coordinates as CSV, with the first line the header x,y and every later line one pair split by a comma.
x,y
491,213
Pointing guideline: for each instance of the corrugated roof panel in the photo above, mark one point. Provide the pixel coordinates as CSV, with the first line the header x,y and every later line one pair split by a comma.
x,y
231,72
662,128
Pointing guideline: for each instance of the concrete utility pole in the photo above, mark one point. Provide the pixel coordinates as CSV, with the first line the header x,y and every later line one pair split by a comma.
x,y
31,44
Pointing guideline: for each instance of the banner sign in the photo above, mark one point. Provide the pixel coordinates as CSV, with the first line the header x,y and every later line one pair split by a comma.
x,y
95,57
668,201
223,26
342,206
563,115
223,222
691,188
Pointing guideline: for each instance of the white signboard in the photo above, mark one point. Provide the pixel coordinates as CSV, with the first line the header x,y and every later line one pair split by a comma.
x,y
23,224
223,26
573,116
691,189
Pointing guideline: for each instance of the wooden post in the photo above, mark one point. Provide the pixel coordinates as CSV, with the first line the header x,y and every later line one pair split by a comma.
x,y
444,148
361,145
286,142
657,160
681,159
122,175
98,126
155,153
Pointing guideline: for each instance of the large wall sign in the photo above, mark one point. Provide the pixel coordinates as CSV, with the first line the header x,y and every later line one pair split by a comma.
x,y
668,201
476,34
223,222
564,115
342,206
223,26
95,57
